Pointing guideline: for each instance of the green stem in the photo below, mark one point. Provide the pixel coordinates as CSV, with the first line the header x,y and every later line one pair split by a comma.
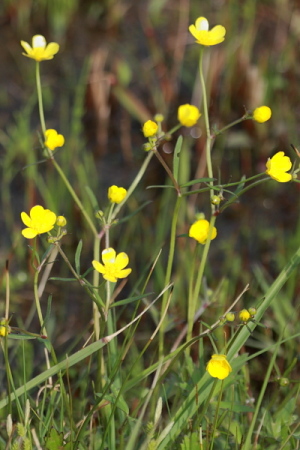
x,y
74,195
40,96
168,170
216,418
56,165
207,127
169,271
38,303
194,298
96,280
133,184
235,122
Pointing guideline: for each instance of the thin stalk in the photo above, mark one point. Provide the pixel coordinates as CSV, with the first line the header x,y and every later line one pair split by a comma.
x,y
40,97
56,165
216,418
133,184
207,126
168,170
169,271
74,196
194,298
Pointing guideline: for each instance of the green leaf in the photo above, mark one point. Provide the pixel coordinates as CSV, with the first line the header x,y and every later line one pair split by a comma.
x,y
62,279
176,157
130,300
197,181
46,342
20,337
129,216
92,198
77,256
163,186
55,440
190,442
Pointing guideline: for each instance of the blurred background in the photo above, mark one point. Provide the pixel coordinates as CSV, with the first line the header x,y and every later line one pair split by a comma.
x,y
119,63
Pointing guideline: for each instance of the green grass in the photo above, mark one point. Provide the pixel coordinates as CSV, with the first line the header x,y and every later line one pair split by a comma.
x,y
134,376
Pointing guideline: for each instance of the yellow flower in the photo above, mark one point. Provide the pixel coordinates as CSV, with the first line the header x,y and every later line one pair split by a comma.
x,y
113,266
40,51
116,194
199,231
277,166
53,139
204,36
218,367
150,128
188,115
39,221
61,221
244,315
4,327
262,114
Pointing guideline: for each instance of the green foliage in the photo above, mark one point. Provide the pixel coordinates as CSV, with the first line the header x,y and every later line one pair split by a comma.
x,y
90,363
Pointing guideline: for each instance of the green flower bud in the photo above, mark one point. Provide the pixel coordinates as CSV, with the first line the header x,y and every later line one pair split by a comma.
x,y
252,311
215,200
99,214
284,381
159,118
230,317
147,147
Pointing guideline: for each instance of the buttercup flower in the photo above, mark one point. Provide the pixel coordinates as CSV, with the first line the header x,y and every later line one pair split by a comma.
x,y
53,139
150,128
244,315
61,221
218,367
188,115
4,327
204,36
39,221
262,114
199,231
277,166
116,194
113,266
40,51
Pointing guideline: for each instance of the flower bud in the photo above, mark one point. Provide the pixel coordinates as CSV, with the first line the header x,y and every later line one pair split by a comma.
x,y
61,221
215,200
159,118
230,317
4,327
150,128
244,315
284,381
147,147
252,311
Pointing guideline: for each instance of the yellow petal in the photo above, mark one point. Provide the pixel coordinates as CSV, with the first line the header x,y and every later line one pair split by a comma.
x,y
29,233
110,277
98,266
108,255
26,46
51,50
124,273
26,219
122,260
36,211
